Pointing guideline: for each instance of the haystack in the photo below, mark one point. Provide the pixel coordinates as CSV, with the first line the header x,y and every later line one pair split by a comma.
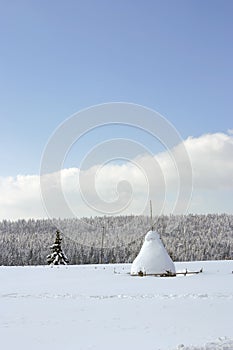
x,y
153,258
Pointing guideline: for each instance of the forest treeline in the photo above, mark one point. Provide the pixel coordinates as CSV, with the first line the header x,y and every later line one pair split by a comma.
x,y
187,238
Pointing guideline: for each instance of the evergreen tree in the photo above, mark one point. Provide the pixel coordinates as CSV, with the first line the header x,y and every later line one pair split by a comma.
x,y
57,257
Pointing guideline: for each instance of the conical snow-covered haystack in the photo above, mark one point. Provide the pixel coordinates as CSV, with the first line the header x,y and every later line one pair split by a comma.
x,y
153,258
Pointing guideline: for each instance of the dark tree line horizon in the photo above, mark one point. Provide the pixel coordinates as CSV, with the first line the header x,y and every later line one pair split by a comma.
x,y
186,238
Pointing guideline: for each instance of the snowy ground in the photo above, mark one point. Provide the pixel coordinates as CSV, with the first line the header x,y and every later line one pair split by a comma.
x,y
103,307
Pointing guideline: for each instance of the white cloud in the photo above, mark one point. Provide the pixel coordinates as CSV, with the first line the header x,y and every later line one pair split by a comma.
x,y
20,197
212,162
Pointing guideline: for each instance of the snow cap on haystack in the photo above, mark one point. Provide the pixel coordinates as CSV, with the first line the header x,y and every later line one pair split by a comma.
x,y
153,257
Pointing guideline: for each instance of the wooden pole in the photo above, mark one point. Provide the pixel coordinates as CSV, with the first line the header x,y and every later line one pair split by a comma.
x,y
151,217
102,245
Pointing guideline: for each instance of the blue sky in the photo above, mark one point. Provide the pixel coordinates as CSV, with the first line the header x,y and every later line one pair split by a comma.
x,y
58,57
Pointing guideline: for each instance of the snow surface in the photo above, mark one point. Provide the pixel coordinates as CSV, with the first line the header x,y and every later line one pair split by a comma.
x,y
103,307
153,257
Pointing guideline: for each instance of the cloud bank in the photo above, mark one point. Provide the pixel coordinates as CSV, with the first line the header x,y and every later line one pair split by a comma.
x,y
211,156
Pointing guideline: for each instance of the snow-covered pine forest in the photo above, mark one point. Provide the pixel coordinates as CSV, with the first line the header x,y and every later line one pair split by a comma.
x,y
187,238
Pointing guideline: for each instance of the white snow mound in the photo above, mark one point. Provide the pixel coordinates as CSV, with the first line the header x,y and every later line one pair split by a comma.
x,y
153,257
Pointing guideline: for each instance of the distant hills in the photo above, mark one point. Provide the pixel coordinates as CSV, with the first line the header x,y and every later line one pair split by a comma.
x,y
187,238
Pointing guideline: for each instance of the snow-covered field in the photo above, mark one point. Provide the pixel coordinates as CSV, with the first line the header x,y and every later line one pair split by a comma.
x,y
103,307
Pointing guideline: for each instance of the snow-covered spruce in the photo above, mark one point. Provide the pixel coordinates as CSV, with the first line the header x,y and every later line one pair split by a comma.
x,y
57,257
153,258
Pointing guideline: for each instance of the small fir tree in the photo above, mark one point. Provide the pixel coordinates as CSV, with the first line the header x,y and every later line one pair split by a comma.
x,y
57,257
